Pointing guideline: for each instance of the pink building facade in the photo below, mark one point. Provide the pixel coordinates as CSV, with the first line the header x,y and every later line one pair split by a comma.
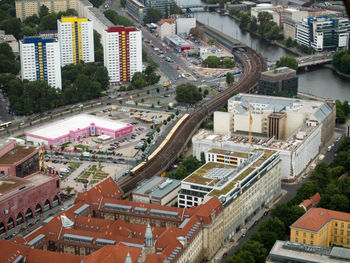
x,y
79,133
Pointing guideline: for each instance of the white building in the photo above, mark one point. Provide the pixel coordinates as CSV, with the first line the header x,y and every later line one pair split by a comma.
x,y
322,33
297,128
185,24
76,38
244,182
40,60
122,49
167,28
273,10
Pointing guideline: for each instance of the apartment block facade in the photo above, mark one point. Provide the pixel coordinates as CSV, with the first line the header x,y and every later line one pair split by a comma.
x,y
122,52
26,8
40,60
76,39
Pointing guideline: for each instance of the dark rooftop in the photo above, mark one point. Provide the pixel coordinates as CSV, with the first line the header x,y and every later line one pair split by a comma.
x,y
16,154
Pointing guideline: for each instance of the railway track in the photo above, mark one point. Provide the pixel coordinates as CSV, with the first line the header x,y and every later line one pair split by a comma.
x,y
253,64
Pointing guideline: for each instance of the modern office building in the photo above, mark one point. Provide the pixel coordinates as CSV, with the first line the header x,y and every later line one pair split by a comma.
x,y
245,183
286,251
76,39
323,33
297,128
138,8
157,190
280,81
122,49
26,8
40,60
322,227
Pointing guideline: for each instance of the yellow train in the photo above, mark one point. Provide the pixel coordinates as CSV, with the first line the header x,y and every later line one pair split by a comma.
x,y
140,166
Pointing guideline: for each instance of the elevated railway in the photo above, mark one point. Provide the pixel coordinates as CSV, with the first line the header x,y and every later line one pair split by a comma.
x,y
252,64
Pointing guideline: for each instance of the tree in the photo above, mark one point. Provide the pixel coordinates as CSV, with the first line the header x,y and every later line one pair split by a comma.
x,y
306,190
253,26
43,11
211,62
11,26
153,15
123,3
203,157
187,93
341,61
117,19
273,225
339,202
228,63
49,22
287,214
289,42
8,64
287,61
245,20
230,78
98,47
264,18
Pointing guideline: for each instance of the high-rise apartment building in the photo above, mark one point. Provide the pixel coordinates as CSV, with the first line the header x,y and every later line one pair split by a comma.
x,y
76,40
26,8
40,60
323,32
122,52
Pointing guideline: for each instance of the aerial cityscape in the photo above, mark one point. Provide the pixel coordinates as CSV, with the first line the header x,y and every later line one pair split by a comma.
x,y
165,131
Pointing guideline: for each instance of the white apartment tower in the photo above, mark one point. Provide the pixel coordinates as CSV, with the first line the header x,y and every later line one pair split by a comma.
x,y
40,60
76,38
122,50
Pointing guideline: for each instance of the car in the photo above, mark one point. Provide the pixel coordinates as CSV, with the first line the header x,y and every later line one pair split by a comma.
x,y
224,255
329,148
108,103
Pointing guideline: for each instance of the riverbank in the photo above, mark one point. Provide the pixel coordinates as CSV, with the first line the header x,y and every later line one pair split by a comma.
x,y
272,42
341,74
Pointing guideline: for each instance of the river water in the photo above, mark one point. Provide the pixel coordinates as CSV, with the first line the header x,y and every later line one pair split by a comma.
x,y
321,82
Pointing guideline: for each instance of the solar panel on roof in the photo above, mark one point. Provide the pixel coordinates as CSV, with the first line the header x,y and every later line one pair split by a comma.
x,y
163,213
103,241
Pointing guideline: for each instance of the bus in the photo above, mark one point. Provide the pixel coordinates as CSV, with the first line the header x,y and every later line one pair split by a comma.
x,y
5,125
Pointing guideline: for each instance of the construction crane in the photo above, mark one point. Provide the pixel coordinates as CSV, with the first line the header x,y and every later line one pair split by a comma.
x,y
250,124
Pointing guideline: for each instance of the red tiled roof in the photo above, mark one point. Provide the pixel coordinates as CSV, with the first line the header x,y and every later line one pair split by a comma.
x,y
316,218
113,254
44,256
204,211
312,202
169,20
107,188
155,258
12,251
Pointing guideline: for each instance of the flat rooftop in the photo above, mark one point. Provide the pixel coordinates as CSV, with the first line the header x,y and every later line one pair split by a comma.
x,y
16,154
81,121
284,251
229,153
222,177
279,72
157,186
12,183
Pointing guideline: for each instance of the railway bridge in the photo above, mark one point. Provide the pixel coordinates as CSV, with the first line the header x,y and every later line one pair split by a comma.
x,y
170,149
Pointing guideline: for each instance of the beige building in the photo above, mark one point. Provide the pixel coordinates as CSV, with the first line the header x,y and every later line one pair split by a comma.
x,y
11,40
244,182
26,8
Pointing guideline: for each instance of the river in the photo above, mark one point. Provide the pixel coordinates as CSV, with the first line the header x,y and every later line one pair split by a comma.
x,y
322,82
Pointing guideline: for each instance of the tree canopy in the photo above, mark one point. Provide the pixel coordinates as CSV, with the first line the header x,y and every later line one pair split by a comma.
x,y
287,61
117,19
153,15
8,63
187,93
341,61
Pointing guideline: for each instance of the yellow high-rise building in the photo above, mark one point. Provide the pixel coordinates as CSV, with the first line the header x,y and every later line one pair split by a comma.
x,y
76,40
26,8
322,227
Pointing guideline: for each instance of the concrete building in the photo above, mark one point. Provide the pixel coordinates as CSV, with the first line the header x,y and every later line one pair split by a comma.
x,y
76,40
278,81
185,24
122,48
273,10
26,8
286,251
178,43
322,227
297,128
157,190
100,23
40,60
75,128
10,40
245,183
323,33
138,8
167,28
